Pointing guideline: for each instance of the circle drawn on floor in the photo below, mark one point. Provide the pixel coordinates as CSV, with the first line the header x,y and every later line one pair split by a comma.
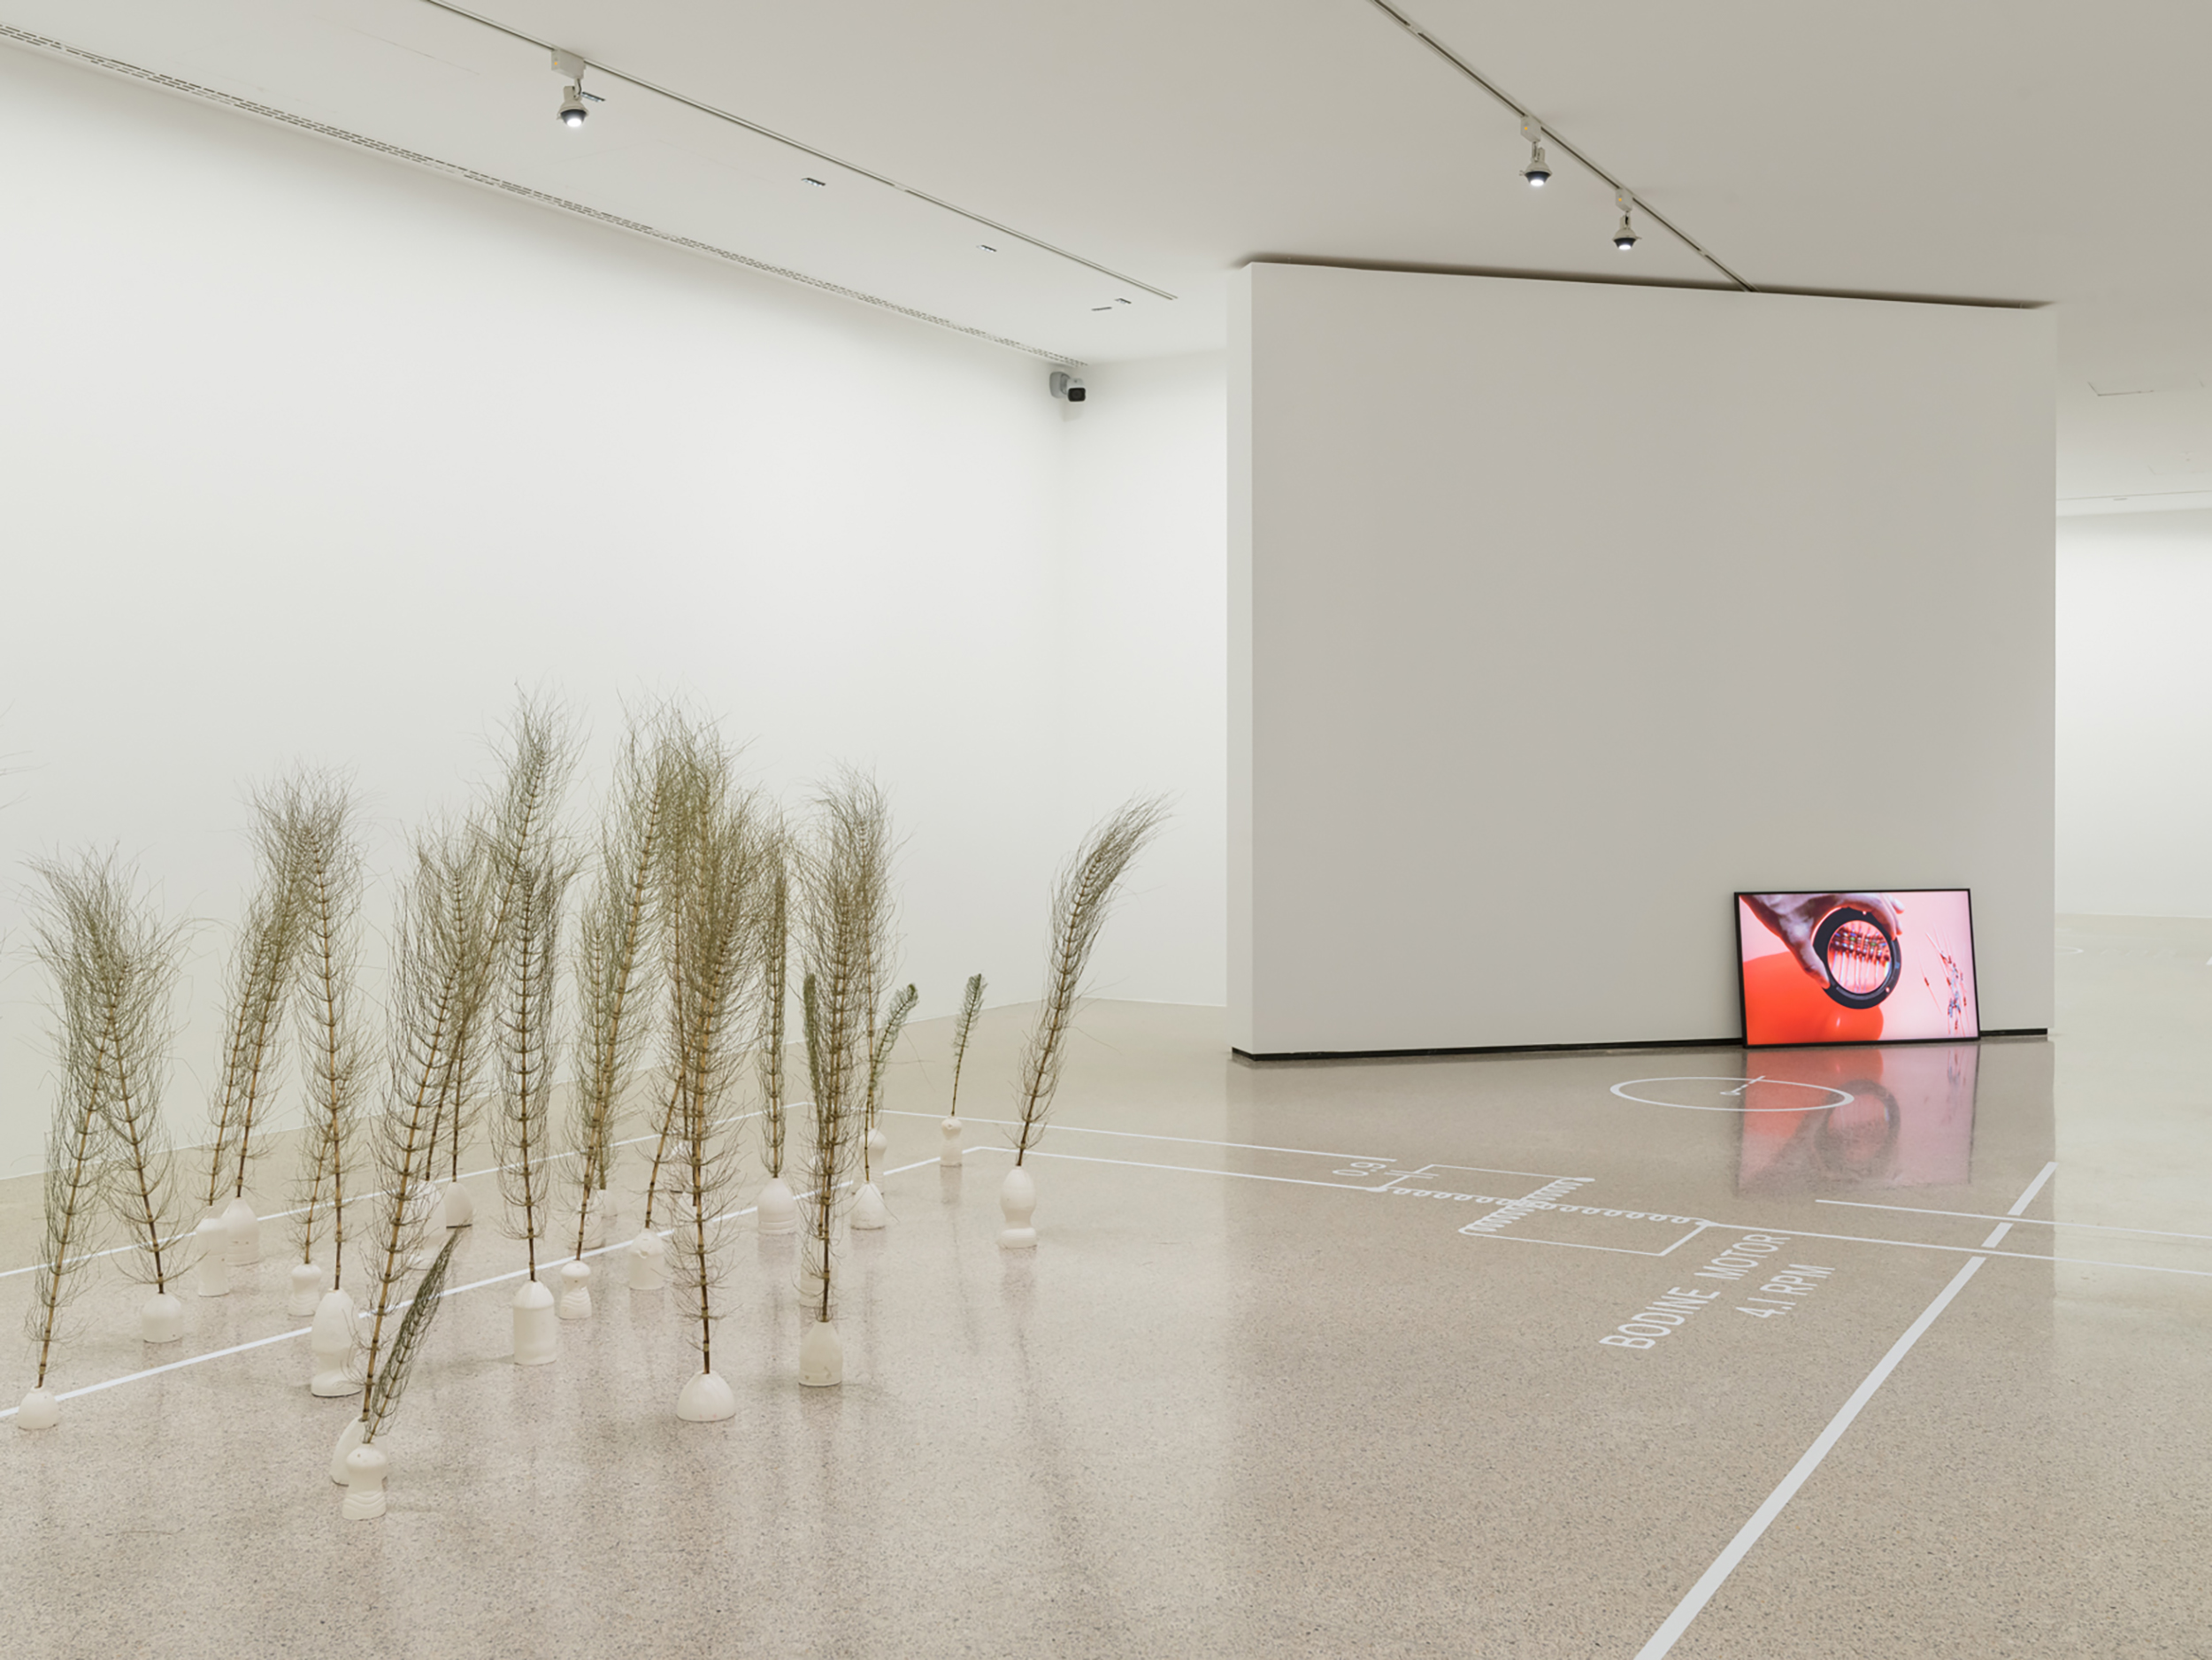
x,y
1730,1098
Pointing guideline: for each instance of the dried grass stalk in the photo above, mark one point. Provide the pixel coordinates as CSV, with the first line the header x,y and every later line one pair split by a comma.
x,y
254,988
722,858
1082,897
963,1029
516,830
528,1042
380,1399
439,944
887,1039
844,926
775,996
333,1044
615,959
116,962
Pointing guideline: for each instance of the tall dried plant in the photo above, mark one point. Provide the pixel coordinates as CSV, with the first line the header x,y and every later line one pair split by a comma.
x,y
887,1039
775,996
514,831
1082,897
439,944
117,962
844,896
332,1039
615,959
963,1029
255,983
380,1399
722,858
528,1042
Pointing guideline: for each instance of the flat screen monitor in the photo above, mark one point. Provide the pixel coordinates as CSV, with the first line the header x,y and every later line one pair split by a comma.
x,y
1893,966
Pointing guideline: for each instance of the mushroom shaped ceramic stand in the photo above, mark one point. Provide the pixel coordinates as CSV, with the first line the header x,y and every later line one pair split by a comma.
x,y
778,1210
868,1208
706,1399
950,1155
575,1303
40,1410
212,1267
349,1444
821,1356
460,1210
649,1262
304,1292
1018,1197
245,1233
537,1328
162,1319
365,1469
331,1338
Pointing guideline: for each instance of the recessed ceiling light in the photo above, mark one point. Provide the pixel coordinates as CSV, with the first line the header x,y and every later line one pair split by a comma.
x,y
819,183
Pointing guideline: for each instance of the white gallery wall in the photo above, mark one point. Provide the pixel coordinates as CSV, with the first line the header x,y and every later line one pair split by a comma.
x,y
1561,610
2135,714
312,458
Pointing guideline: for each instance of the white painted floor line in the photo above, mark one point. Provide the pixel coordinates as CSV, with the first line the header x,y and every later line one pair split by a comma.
x,y
1670,1631
1961,1250
2032,1221
1193,1140
1193,1170
450,1291
1997,1234
2034,1188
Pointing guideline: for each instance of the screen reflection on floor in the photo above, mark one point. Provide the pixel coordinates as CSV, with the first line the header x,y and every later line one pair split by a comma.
x,y
1908,1121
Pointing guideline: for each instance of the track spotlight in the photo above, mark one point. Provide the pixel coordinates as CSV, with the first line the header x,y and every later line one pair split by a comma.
x,y
575,101
1537,172
573,110
1624,238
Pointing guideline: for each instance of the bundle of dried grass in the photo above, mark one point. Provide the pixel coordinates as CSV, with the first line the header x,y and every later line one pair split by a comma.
x,y
333,1044
1082,897
116,962
615,964
775,996
255,986
358,1462
440,946
723,858
528,1041
963,1029
868,1207
516,830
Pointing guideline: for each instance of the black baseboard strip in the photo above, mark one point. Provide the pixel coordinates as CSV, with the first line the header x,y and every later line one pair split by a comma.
x,y
1546,1049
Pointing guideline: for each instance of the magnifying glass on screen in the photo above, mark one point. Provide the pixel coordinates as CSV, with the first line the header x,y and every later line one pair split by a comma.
x,y
1861,956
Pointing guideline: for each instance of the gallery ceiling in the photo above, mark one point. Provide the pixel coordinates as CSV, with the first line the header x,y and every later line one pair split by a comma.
x,y
1049,174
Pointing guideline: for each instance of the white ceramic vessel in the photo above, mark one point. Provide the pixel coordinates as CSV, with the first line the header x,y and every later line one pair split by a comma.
x,y
706,1399
460,1209
349,1440
162,1319
598,1218
648,1261
877,1142
244,1249
537,1327
868,1207
365,1469
40,1410
821,1356
304,1291
950,1130
575,1291
1018,1198
331,1339
210,1273
778,1210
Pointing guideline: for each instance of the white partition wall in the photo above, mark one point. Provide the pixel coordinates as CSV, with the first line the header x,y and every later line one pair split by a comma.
x,y
1560,611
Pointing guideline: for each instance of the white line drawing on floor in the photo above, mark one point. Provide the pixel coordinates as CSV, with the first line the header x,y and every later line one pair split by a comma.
x,y
1843,1097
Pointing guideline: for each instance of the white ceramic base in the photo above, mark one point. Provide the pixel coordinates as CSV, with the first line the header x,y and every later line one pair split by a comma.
x,y
598,1218
245,1233
648,1261
877,1142
778,1210
306,1290
537,1328
821,1356
332,1338
365,1469
706,1399
211,1268
950,1129
868,1209
162,1319
1018,1198
575,1291
423,1214
349,1439
460,1210
40,1410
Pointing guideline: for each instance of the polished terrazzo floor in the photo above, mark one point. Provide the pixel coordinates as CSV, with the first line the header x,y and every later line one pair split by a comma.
x,y
1308,1362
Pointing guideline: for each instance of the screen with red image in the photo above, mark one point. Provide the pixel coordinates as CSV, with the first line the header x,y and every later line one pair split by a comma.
x,y
1889,967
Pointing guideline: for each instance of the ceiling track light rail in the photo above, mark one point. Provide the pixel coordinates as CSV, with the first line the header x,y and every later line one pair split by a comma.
x,y
1537,133
673,96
